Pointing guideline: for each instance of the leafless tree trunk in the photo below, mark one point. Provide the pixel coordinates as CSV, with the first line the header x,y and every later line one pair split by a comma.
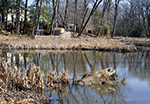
x,y
105,5
18,15
63,18
115,17
66,14
85,12
25,17
3,13
53,16
96,4
144,10
148,18
108,11
6,15
126,32
57,9
35,16
75,19
39,14
126,17
12,19
144,24
55,3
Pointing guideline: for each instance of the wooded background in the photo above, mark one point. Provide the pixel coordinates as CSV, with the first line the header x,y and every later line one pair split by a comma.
x,y
102,17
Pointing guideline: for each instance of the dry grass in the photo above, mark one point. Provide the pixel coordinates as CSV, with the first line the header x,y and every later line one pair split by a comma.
x,y
81,43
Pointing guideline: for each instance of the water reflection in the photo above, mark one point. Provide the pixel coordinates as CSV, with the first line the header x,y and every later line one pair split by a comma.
x,y
133,66
84,95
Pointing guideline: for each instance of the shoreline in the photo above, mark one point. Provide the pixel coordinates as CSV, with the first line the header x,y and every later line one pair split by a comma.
x,y
118,44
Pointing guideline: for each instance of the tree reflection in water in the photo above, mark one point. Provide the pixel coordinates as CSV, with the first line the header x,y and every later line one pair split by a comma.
x,y
129,65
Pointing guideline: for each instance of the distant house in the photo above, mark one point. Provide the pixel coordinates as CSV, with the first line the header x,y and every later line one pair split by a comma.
x,y
59,31
14,16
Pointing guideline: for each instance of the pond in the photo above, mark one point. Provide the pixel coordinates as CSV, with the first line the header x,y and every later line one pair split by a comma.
x,y
132,66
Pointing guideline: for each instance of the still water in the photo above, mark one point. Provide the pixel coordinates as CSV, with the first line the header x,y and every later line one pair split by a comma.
x,y
135,67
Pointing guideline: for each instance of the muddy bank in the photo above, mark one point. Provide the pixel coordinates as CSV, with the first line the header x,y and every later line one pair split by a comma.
x,y
118,44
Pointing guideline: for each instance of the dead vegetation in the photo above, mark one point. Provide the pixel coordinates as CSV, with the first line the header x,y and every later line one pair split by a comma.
x,y
20,97
102,77
33,79
99,44
117,44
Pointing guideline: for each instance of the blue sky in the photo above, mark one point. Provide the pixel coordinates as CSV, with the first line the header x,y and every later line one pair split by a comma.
x,y
29,2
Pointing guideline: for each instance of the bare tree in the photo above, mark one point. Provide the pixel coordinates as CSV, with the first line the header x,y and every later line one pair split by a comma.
x,y
86,2
133,20
129,19
96,4
55,4
115,17
25,16
39,14
126,17
75,20
2,11
35,15
66,14
108,10
145,13
18,17
106,3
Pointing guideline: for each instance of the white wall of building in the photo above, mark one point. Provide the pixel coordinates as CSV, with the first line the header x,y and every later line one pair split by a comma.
x,y
9,19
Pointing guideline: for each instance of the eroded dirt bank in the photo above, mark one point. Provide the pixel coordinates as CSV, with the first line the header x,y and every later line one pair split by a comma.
x,y
118,44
